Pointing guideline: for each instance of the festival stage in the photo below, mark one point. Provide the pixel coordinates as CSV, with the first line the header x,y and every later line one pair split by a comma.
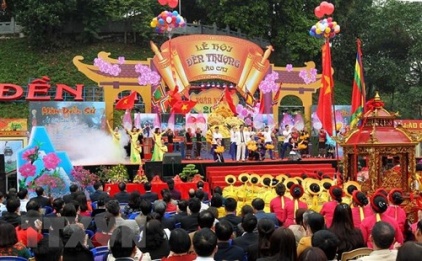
x,y
214,172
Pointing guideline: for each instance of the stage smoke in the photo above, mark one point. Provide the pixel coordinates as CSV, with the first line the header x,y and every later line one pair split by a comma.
x,y
87,146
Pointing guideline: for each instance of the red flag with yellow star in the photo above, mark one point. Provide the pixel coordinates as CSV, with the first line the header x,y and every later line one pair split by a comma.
x,y
183,107
325,103
126,103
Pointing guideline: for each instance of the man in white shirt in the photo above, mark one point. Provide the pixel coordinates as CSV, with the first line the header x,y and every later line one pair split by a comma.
x,y
287,134
233,145
241,140
382,236
268,140
24,198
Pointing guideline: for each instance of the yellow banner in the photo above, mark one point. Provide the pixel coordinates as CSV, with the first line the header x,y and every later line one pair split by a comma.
x,y
203,57
208,98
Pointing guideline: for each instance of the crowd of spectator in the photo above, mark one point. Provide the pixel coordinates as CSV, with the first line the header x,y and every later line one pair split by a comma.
x,y
134,226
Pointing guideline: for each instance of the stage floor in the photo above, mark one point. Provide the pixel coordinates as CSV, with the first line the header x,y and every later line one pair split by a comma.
x,y
152,168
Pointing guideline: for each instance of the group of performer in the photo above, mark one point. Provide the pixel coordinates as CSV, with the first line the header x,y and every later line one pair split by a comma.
x,y
245,143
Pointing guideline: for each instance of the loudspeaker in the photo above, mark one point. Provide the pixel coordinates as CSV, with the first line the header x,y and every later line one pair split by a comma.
x,y
2,174
172,158
153,168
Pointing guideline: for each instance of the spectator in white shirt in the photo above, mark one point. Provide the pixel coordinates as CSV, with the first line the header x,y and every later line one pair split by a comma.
x,y
268,140
24,198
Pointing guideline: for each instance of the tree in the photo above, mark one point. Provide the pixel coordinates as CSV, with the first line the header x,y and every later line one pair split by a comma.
x,y
393,48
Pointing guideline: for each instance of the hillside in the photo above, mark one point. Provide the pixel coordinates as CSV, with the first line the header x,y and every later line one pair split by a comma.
x,y
19,64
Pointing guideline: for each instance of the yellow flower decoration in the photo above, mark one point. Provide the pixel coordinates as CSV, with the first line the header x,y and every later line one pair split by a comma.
x,y
219,149
269,147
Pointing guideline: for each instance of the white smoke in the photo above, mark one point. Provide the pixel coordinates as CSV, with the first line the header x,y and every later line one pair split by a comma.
x,y
87,146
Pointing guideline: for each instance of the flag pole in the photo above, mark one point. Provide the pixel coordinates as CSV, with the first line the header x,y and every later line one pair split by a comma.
x,y
334,106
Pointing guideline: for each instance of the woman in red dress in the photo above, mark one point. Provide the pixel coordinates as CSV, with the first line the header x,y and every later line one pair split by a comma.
x,y
328,208
296,191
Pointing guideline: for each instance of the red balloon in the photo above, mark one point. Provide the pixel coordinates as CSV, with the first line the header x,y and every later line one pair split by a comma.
x,y
318,12
162,2
173,3
329,9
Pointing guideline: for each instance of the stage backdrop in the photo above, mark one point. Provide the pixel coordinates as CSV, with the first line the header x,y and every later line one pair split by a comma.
x,y
13,137
39,164
78,128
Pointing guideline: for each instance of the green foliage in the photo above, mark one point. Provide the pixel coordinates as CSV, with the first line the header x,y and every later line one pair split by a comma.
x,y
188,172
14,110
114,174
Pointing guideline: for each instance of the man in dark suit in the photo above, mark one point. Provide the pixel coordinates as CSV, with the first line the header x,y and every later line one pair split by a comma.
x,y
175,194
73,191
122,196
230,207
258,205
225,249
40,199
149,195
190,222
12,215
200,186
248,238
99,190
182,210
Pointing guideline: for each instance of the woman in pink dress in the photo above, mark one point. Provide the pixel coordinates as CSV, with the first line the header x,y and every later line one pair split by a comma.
x,y
296,191
394,210
328,208
360,209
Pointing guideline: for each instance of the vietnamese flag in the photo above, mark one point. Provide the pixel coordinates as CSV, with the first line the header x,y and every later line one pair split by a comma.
x,y
325,103
126,103
229,100
183,107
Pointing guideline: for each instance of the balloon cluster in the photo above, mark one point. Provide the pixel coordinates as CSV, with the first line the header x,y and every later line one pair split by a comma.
x,y
324,8
171,3
166,21
325,28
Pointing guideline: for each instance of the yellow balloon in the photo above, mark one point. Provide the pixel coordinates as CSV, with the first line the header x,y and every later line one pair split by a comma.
x,y
153,25
327,30
318,31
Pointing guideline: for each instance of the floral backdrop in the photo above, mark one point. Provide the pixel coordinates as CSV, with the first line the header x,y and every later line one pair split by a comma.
x,y
39,164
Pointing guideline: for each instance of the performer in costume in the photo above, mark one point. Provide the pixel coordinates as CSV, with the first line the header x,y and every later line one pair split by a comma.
x,y
296,191
188,142
134,153
278,204
141,142
328,208
233,145
268,141
379,205
287,134
360,209
158,153
137,156
304,143
170,138
395,198
240,141
322,139
216,135
198,136
115,134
